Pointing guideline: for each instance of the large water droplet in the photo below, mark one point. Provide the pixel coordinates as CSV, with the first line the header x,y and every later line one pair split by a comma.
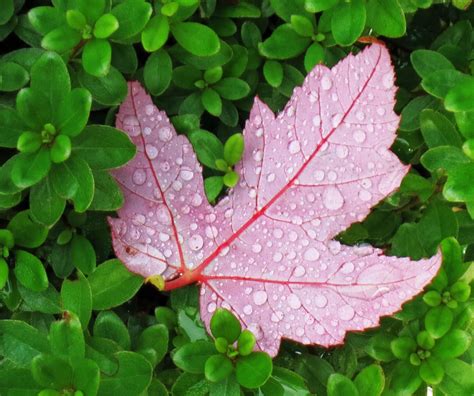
x,y
326,83
277,257
320,301
336,120
248,309
149,109
186,174
387,80
294,301
139,177
311,254
260,297
364,195
165,134
342,151
346,312
347,268
256,248
151,151
196,242
294,147
299,271
359,136
332,198
197,200
211,307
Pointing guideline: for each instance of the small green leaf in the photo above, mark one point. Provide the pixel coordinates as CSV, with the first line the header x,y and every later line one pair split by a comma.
x,y
212,102
302,25
75,19
386,17
253,370
246,343
105,26
224,324
461,96
66,337
207,146
339,384
192,357
153,339
158,72
76,297
29,169
4,270
437,130
231,88
26,231
45,204
73,112
213,186
51,371
109,325
156,33
196,38
112,284
29,271
234,148
370,381
431,371
402,347
273,73
12,76
60,149
11,127
132,16
426,62
459,187
61,39
231,179
29,142
217,368
452,344
109,90
348,21
44,19
96,57
284,43
438,321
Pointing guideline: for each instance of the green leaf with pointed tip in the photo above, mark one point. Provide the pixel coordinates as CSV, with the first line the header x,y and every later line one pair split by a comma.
x,y
132,16
11,127
348,21
45,204
12,76
112,284
207,146
284,43
370,381
386,17
459,186
224,324
212,102
426,62
76,296
156,33
29,271
461,96
192,357
73,112
96,57
27,233
158,72
196,38
438,321
29,169
61,39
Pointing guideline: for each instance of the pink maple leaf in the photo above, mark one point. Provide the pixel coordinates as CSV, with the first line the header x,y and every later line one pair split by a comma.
x,y
266,251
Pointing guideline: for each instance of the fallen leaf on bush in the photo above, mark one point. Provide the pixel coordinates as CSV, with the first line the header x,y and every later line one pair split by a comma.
x,y
266,251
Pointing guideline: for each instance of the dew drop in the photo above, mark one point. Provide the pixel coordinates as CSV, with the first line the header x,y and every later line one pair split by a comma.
x,y
256,248
342,151
387,80
299,271
365,196
360,115
294,301
151,151
336,120
380,111
165,166
317,120
248,309
332,198
197,200
260,297
258,155
271,177
346,312
311,254
347,268
277,257
320,301
139,177
319,329
196,242
186,174
211,307
294,147
319,175
149,109
326,83
164,134
359,136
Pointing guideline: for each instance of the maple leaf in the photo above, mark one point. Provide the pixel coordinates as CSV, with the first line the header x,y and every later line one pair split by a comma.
x,y
266,251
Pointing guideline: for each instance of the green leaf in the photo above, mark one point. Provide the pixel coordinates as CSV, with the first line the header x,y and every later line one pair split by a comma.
x,y
217,368
213,186
109,90
224,324
96,57
207,146
284,43
438,321
153,339
158,72
61,39
76,297
12,76
4,271
156,33
29,169
431,371
46,301
406,242
425,62
405,379
92,9
370,381
26,231
132,16
348,21
103,147
60,149
302,25
379,347
458,379
66,337
439,83
443,157
459,187
107,194
34,109
196,38
190,384
465,122
229,387
51,371
82,173
112,284
212,102
21,342
18,381
452,344
86,376
402,347
273,73
29,271
11,127
124,58
73,112
246,342
109,325
82,254
76,19
413,184
106,25
461,96
437,130
232,88
411,112
253,370
234,148
44,19
192,357
339,384
386,17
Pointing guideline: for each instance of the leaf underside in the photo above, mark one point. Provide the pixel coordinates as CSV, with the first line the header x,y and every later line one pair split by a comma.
x,y
266,251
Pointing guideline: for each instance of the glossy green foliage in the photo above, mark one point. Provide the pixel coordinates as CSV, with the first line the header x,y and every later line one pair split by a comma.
x,y
75,322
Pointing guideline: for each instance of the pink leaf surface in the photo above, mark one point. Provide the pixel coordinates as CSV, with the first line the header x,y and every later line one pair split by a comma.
x,y
267,251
